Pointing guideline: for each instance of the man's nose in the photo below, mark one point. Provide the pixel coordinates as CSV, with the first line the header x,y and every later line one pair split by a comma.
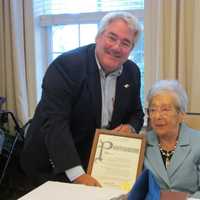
x,y
117,44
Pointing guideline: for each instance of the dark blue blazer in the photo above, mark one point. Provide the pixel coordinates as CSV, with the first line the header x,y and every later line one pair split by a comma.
x,y
61,133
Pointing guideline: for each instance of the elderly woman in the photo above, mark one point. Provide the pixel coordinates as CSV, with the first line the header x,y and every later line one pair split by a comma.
x,y
173,149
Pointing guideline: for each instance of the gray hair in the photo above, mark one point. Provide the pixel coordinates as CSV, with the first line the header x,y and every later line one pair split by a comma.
x,y
172,86
131,20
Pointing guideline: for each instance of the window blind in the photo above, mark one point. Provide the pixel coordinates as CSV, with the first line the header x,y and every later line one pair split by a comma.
x,y
76,6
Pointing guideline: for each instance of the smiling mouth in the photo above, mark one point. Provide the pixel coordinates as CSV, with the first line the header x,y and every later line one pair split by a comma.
x,y
114,55
159,125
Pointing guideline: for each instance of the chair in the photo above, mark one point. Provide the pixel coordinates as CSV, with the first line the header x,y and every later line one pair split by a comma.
x,y
193,120
13,181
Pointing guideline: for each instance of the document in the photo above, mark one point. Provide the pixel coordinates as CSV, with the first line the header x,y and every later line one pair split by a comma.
x,y
117,160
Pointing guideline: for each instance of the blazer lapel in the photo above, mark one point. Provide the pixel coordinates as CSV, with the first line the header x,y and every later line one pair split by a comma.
x,y
94,86
117,102
122,87
156,160
182,150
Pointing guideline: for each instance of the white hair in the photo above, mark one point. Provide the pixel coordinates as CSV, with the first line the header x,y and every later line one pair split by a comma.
x,y
131,20
172,86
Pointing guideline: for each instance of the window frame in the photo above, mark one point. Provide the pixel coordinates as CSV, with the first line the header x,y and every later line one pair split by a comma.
x,y
42,35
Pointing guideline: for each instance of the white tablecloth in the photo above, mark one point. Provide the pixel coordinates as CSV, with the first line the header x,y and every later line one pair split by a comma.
x,y
64,191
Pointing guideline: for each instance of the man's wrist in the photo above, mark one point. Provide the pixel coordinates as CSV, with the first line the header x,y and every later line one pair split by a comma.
x,y
74,172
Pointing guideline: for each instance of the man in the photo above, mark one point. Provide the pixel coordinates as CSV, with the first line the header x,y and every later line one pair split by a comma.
x,y
94,86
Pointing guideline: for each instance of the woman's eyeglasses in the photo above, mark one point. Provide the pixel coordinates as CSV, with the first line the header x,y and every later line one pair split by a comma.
x,y
164,111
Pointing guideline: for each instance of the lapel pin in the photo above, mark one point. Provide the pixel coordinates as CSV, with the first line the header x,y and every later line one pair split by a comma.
x,y
127,85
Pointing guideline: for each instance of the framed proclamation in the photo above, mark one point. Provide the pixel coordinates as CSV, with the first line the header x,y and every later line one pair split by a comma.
x,y
116,158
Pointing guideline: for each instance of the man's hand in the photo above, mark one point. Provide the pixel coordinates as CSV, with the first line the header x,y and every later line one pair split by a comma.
x,y
124,128
86,179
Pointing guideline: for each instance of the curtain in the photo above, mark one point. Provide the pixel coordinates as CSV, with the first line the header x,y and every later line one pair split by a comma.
x,y
14,71
172,43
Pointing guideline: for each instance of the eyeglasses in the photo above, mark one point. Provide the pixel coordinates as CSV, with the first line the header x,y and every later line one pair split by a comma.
x,y
113,39
152,111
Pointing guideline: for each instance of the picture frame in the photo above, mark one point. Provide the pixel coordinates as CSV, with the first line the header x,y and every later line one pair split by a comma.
x,y
116,158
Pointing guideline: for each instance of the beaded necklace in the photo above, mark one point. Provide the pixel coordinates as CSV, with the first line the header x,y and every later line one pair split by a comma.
x,y
167,154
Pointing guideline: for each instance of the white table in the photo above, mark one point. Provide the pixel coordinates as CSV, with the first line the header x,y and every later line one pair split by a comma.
x,y
65,191
62,191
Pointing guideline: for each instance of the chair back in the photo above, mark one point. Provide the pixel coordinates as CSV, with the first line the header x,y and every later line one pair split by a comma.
x,y
193,120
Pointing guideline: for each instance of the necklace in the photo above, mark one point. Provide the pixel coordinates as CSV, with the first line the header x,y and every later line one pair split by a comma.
x,y
167,154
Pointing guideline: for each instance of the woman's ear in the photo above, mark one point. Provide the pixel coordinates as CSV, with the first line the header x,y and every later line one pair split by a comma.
x,y
182,116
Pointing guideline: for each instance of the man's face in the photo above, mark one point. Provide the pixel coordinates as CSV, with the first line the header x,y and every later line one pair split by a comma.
x,y
114,45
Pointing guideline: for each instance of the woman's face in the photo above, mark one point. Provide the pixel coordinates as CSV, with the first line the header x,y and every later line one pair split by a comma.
x,y
164,114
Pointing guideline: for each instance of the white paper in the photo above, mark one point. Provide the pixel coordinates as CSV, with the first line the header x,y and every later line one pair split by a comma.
x,y
116,161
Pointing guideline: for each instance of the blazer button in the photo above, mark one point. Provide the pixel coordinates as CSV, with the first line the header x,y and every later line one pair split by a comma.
x,y
51,163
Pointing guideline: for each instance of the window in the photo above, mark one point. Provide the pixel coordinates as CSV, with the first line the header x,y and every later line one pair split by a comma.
x,y
68,24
